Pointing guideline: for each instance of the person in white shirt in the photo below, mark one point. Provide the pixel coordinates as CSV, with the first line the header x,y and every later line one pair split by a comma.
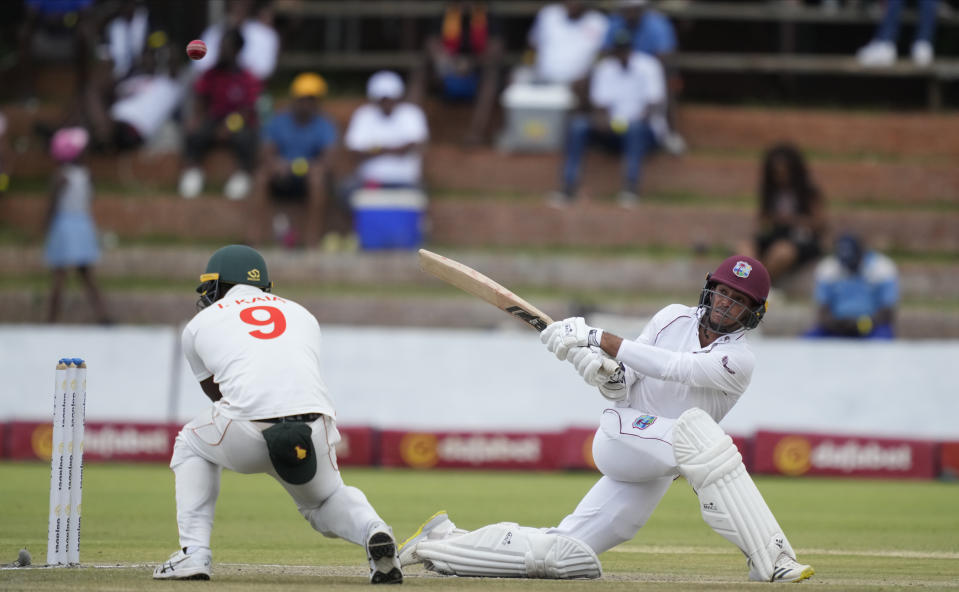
x,y
679,378
567,37
126,36
126,114
261,45
387,135
257,357
626,88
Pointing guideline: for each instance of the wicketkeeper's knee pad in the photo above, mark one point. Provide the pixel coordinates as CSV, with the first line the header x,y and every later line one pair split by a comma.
x,y
507,550
729,500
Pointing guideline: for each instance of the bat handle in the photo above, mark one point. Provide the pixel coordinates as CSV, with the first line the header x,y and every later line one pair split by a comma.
x,y
610,366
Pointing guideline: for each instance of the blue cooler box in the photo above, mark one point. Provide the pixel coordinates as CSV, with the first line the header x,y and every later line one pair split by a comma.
x,y
389,218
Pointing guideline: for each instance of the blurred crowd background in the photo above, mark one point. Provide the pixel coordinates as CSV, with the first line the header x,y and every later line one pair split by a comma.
x,y
598,156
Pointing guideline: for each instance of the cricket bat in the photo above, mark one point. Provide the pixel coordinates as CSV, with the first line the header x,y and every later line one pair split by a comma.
x,y
473,282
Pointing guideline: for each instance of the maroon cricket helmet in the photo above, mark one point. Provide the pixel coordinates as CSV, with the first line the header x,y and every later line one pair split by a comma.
x,y
746,275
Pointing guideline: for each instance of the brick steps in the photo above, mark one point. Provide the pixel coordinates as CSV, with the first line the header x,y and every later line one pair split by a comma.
x,y
891,134
451,168
629,275
700,174
487,223
888,158
141,307
389,288
733,128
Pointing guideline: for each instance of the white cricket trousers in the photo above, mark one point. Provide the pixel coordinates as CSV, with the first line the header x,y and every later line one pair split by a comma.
x,y
211,442
635,456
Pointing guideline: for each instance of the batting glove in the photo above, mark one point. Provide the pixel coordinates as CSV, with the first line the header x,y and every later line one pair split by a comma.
x,y
588,362
614,387
560,336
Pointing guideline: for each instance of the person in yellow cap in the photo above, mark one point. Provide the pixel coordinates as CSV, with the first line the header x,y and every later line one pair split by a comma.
x,y
293,170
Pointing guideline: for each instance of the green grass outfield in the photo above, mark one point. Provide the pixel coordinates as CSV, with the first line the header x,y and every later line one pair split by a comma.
x,y
858,534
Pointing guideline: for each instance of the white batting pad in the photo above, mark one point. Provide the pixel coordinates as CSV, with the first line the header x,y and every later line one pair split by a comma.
x,y
507,550
729,500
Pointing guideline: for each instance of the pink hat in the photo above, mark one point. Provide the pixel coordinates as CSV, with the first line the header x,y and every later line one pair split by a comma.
x,y
68,143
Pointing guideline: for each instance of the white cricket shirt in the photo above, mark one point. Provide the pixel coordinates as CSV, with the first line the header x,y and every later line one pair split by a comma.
x,y
370,128
264,353
146,102
565,47
668,372
627,92
261,46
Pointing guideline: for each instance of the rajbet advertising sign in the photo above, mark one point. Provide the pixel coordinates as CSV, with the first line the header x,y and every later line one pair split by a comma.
x,y
425,450
818,454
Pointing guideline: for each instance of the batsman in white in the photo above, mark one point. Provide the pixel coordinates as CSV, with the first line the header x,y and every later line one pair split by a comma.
x,y
676,381
257,357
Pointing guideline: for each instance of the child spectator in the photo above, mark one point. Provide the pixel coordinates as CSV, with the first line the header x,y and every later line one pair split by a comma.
x,y
857,291
625,88
225,112
791,213
293,164
72,236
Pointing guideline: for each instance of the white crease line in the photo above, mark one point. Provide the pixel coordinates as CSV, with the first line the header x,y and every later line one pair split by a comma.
x,y
657,550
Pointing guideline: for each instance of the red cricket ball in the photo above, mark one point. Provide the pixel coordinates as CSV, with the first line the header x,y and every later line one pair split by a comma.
x,y
196,49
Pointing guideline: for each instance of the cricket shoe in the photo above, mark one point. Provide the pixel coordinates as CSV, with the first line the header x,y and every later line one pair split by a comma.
x,y
785,570
437,527
180,566
381,552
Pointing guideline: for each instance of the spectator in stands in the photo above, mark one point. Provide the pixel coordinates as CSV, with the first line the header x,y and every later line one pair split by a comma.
x,y
72,236
224,112
566,37
881,51
254,19
133,110
293,168
119,32
625,88
652,34
857,291
126,36
791,213
463,62
387,136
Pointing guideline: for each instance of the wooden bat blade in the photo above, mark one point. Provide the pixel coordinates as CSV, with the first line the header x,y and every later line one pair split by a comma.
x,y
473,282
